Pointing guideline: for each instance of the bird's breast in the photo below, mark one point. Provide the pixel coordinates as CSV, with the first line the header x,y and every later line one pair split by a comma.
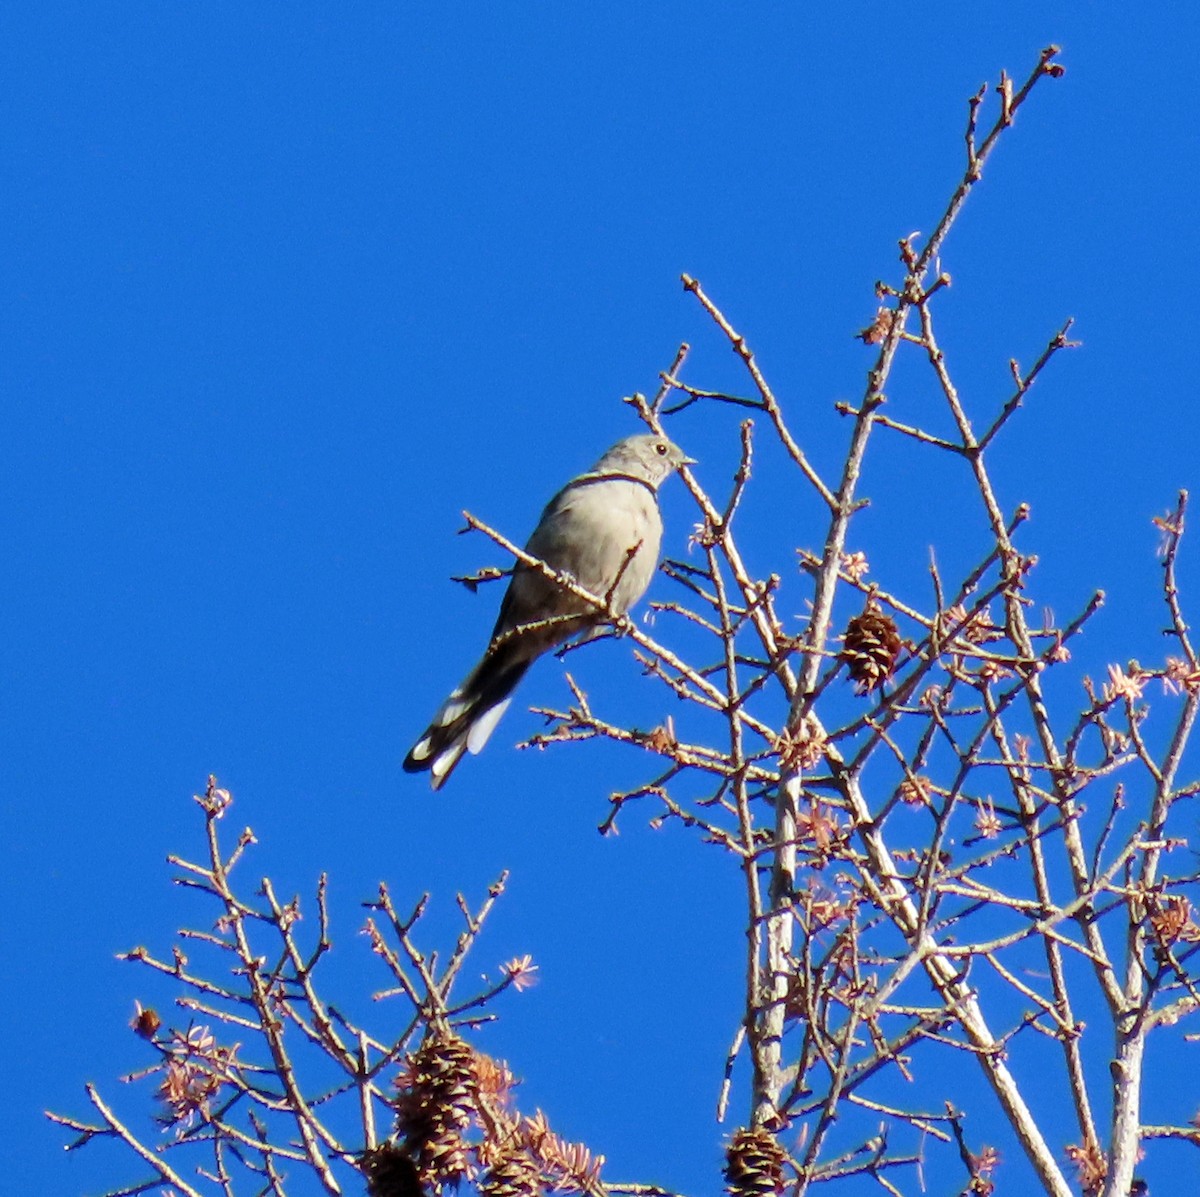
x,y
606,534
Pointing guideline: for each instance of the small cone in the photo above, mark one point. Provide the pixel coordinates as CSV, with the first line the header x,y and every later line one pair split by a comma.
x,y
754,1165
513,1174
435,1106
870,648
390,1173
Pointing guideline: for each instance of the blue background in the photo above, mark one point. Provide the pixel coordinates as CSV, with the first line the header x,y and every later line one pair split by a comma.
x,y
284,288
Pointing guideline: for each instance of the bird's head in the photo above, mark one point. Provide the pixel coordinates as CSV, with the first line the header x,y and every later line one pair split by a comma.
x,y
649,457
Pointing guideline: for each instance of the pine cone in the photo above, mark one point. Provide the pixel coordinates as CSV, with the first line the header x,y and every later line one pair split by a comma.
x,y
871,646
754,1164
435,1107
390,1173
513,1174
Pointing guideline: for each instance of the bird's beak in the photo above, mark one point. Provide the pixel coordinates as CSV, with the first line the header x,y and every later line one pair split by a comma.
x,y
689,461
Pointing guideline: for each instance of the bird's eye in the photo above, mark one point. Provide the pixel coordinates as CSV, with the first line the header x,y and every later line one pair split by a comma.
x,y
661,449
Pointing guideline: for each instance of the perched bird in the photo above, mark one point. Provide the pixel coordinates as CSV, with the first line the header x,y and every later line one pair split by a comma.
x,y
604,529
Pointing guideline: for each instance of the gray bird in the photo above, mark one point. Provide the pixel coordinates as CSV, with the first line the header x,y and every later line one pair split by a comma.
x,y
604,529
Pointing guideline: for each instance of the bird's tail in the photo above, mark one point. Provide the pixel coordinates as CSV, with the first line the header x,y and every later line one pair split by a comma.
x,y
467,718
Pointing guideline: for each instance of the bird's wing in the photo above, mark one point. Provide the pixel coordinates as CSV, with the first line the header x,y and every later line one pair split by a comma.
x,y
600,532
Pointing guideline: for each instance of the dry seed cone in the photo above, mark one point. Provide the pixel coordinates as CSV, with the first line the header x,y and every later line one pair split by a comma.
x,y
435,1106
754,1165
870,648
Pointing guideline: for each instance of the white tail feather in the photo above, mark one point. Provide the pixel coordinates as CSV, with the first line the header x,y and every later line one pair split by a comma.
x,y
444,764
421,749
482,728
450,710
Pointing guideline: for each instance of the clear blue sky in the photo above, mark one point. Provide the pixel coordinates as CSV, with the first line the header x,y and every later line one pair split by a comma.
x,y
283,288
